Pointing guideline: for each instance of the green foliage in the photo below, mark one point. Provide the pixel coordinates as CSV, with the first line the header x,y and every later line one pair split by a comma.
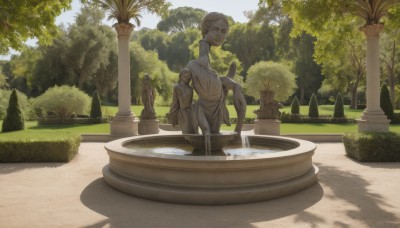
x,y
373,146
95,111
313,107
25,19
178,51
63,101
339,109
26,106
142,62
270,76
14,120
124,10
220,60
295,110
181,19
42,146
251,43
386,103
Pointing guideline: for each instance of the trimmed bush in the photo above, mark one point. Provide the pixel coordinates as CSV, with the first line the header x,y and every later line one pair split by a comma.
x,y
42,147
373,146
313,107
339,109
386,103
95,111
295,110
14,120
22,100
63,101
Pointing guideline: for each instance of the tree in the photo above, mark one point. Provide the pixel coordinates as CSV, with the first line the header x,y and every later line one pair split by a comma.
x,y
89,45
270,76
14,120
313,107
178,51
338,110
295,109
95,111
251,43
24,19
155,40
181,19
386,103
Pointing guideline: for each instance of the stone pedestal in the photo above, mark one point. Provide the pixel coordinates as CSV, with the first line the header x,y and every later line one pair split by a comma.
x,y
267,127
148,127
373,118
124,126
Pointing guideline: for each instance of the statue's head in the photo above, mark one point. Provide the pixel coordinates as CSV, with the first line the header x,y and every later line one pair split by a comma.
x,y
184,75
214,28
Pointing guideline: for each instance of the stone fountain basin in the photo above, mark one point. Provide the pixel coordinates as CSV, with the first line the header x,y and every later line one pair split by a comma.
x,y
210,180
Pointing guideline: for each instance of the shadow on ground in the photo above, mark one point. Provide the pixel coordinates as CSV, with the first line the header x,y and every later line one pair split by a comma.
x,y
353,189
124,210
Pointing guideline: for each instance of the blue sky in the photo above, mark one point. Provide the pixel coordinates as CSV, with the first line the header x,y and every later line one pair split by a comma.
x,y
233,8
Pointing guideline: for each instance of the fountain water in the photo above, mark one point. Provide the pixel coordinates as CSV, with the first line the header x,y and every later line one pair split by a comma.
x,y
212,168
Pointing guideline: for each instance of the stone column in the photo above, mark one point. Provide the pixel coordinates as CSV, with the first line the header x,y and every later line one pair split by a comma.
x,y
373,118
124,123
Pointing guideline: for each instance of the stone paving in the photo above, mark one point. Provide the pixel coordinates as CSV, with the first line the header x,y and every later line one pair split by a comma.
x,y
74,194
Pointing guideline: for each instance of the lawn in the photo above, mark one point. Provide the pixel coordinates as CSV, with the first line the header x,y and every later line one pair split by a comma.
x,y
31,127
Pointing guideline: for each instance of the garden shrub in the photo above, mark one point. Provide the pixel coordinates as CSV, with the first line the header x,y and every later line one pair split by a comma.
x,y
50,147
339,109
373,146
23,100
386,103
313,107
95,111
63,101
295,109
14,120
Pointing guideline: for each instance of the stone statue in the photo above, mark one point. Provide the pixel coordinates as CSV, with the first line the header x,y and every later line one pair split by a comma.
x,y
148,96
269,108
210,110
181,108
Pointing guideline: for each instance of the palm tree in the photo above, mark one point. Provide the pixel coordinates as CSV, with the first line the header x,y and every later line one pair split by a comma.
x,y
373,10
124,10
125,123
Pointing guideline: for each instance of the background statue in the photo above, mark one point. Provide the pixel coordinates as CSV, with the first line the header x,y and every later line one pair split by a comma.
x,y
269,108
148,95
181,108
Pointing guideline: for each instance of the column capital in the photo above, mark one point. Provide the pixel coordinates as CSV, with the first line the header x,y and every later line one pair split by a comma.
x,y
372,30
123,30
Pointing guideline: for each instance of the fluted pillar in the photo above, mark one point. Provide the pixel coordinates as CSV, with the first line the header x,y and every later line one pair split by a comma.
x,y
124,123
373,118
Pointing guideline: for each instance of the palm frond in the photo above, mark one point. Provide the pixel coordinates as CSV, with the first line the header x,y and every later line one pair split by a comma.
x,y
373,10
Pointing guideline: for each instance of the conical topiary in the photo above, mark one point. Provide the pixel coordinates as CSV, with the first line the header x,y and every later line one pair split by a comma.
x,y
295,110
14,120
313,107
95,111
339,109
386,104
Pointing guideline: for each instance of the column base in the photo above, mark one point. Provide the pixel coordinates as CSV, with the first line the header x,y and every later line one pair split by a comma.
x,y
267,127
373,121
148,127
124,126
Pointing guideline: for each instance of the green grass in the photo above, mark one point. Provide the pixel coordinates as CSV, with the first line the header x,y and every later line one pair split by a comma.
x,y
31,127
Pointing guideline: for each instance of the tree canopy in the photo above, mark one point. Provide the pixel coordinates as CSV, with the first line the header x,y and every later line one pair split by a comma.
x,y
24,19
181,19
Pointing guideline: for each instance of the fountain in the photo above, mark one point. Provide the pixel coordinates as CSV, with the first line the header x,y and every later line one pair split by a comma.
x,y
211,168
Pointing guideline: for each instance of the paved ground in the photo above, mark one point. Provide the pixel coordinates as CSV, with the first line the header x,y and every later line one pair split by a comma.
x,y
349,194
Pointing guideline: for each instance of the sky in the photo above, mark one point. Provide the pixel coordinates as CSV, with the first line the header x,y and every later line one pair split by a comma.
x,y
233,8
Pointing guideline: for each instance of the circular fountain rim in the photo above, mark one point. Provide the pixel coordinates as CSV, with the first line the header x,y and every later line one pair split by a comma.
x,y
301,147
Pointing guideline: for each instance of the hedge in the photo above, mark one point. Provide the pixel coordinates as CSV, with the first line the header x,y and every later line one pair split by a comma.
x,y
373,146
56,147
